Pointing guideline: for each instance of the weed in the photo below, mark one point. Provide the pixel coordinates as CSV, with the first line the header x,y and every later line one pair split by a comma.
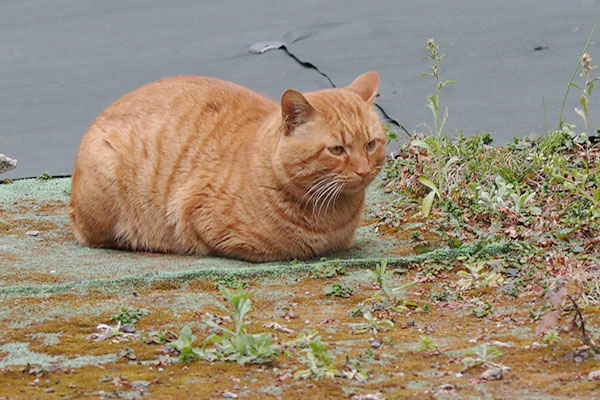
x,y
44,176
231,282
379,275
586,68
476,276
551,337
354,370
481,355
185,345
443,296
357,311
231,345
372,325
238,345
159,337
426,343
319,360
339,290
562,108
481,308
433,102
129,315
328,270
305,338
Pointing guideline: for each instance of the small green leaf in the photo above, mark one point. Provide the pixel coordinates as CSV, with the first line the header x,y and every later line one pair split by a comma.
x,y
422,144
444,83
429,183
583,102
431,103
428,203
451,161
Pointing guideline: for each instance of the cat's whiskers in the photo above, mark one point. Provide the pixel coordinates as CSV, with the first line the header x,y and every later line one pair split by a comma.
x,y
316,187
322,195
326,197
333,198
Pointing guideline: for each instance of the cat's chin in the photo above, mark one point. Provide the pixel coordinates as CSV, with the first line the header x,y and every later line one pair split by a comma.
x,y
356,188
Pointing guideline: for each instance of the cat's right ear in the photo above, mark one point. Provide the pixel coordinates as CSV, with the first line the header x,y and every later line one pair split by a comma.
x,y
295,110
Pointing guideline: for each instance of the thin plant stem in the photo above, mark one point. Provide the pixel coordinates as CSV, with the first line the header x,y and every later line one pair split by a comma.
x,y
562,108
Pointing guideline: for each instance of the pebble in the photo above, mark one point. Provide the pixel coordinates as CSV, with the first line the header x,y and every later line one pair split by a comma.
x,y
375,343
127,328
140,386
447,387
49,390
492,374
32,233
229,395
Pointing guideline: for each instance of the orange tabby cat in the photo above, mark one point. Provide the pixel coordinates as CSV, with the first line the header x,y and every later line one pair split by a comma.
x,y
197,165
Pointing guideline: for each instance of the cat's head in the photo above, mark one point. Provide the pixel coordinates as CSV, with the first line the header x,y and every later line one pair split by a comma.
x,y
331,141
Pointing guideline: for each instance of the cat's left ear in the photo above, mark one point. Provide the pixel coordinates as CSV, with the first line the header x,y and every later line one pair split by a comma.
x,y
366,86
295,109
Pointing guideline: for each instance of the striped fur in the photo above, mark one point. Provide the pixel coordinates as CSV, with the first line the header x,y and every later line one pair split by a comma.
x,y
195,165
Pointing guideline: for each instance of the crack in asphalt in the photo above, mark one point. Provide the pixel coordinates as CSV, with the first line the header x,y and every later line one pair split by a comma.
x,y
262,47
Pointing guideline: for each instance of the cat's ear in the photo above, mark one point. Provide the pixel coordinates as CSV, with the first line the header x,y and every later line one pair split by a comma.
x,y
366,86
295,110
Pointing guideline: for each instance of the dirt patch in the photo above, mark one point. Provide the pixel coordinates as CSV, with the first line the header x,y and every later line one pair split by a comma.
x,y
396,368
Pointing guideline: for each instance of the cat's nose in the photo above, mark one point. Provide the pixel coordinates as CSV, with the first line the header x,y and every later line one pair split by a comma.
x,y
362,173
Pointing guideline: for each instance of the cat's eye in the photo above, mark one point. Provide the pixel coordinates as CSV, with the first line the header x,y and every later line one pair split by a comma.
x,y
336,150
371,145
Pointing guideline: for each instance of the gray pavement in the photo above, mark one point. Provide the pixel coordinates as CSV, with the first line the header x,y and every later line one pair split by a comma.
x,y
62,62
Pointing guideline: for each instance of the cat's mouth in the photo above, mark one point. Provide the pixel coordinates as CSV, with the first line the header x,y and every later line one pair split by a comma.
x,y
357,185
324,192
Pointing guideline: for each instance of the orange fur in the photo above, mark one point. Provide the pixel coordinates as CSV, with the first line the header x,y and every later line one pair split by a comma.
x,y
197,165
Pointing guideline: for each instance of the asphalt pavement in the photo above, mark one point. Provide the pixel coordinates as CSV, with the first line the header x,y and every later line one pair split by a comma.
x,y
62,62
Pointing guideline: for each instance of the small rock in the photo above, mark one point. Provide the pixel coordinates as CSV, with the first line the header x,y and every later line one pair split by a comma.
x,y
32,233
581,354
127,328
375,343
492,374
594,375
6,163
446,387
41,214
49,390
229,395
140,386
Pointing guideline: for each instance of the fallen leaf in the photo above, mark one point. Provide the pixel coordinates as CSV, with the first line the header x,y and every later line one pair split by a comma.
x,y
547,321
278,327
